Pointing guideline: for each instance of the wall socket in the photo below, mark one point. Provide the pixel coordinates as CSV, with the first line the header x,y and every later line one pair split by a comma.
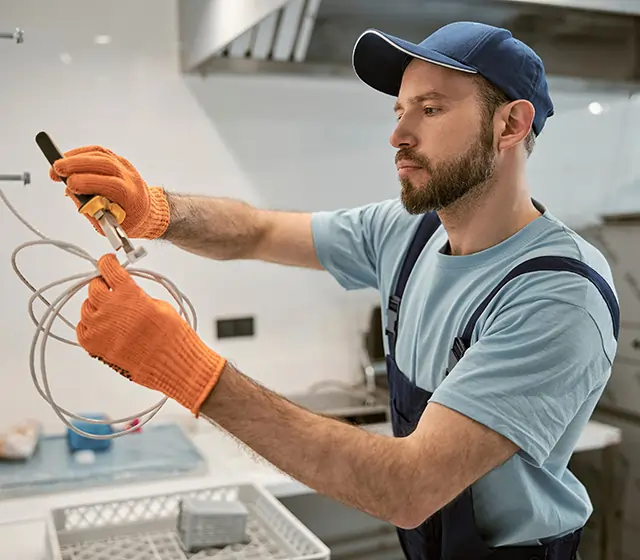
x,y
235,327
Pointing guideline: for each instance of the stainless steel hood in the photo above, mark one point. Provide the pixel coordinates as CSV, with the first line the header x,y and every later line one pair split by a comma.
x,y
629,7
277,30
586,38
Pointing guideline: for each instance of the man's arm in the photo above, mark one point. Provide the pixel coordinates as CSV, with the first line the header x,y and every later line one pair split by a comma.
x,y
400,480
224,229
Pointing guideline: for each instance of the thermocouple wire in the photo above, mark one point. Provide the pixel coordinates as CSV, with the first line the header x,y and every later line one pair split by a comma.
x,y
53,311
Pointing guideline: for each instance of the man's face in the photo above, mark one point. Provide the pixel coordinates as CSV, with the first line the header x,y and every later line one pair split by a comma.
x,y
444,140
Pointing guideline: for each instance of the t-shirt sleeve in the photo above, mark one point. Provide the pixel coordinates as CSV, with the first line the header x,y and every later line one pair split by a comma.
x,y
347,243
529,373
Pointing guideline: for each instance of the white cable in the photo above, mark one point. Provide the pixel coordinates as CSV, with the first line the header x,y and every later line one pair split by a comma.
x,y
53,311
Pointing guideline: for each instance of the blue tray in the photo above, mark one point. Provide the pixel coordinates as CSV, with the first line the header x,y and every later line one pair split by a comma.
x,y
162,451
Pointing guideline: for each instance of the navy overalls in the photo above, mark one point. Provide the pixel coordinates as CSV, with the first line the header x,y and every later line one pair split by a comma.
x,y
451,534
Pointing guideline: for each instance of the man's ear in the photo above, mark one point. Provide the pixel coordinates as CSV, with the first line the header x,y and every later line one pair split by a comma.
x,y
516,121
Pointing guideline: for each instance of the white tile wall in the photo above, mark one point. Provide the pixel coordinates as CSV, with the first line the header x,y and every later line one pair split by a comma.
x,y
278,142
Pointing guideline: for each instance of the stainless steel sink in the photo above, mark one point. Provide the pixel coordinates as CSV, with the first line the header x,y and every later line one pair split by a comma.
x,y
357,406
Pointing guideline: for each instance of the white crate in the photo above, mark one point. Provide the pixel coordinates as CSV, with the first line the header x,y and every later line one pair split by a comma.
x,y
144,528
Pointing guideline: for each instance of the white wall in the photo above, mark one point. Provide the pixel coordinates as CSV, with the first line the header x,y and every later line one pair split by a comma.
x,y
584,161
283,143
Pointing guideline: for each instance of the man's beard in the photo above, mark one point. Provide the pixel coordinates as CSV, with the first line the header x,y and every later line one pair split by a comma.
x,y
465,176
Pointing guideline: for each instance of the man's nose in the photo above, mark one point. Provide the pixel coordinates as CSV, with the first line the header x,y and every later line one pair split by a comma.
x,y
403,135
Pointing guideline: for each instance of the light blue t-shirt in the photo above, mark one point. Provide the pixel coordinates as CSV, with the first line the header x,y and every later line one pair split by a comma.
x,y
540,357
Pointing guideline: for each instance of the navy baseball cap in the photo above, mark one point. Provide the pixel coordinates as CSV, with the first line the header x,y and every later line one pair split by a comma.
x,y
379,60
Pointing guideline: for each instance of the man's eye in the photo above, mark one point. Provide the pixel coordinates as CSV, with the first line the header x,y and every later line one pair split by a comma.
x,y
430,111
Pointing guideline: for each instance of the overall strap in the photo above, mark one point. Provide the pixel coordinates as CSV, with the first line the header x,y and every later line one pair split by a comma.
x,y
427,227
562,264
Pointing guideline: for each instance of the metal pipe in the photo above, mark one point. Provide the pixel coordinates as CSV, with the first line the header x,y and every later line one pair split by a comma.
x,y
368,369
17,35
23,178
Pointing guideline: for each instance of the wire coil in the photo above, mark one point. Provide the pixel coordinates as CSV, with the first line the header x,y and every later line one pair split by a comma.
x,y
53,311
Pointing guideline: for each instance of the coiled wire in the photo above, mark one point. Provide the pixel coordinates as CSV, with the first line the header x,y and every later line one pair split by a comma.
x,y
53,311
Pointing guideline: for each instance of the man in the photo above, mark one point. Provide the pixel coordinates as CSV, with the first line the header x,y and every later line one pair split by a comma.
x,y
501,326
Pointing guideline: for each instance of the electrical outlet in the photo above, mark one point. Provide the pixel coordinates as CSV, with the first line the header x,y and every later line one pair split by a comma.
x,y
235,327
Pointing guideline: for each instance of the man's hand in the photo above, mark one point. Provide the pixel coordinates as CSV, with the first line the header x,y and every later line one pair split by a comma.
x,y
94,170
145,339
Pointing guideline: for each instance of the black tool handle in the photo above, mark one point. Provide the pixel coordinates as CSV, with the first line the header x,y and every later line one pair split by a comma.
x,y
52,154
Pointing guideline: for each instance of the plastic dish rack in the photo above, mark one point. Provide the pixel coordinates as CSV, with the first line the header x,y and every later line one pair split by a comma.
x,y
144,528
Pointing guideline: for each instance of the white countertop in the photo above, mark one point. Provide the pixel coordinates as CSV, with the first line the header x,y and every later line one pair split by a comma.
x,y
596,435
22,526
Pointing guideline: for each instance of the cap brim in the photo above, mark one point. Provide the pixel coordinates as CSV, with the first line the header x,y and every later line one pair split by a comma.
x,y
380,59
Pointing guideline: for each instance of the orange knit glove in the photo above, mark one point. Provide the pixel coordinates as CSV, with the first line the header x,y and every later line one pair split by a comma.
x,y
97,171
145,339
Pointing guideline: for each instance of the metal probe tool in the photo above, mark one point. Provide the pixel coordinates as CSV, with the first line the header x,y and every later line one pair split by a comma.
x,y
17,35
24,178
108,214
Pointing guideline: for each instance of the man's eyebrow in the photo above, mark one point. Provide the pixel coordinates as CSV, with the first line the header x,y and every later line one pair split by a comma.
x,y
427,96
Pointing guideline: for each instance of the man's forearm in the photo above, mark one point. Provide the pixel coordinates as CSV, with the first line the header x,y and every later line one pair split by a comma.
x,y
217,228
367,471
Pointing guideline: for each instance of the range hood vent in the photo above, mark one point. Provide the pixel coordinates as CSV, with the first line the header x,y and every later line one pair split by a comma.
x,y
591,39
258,30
